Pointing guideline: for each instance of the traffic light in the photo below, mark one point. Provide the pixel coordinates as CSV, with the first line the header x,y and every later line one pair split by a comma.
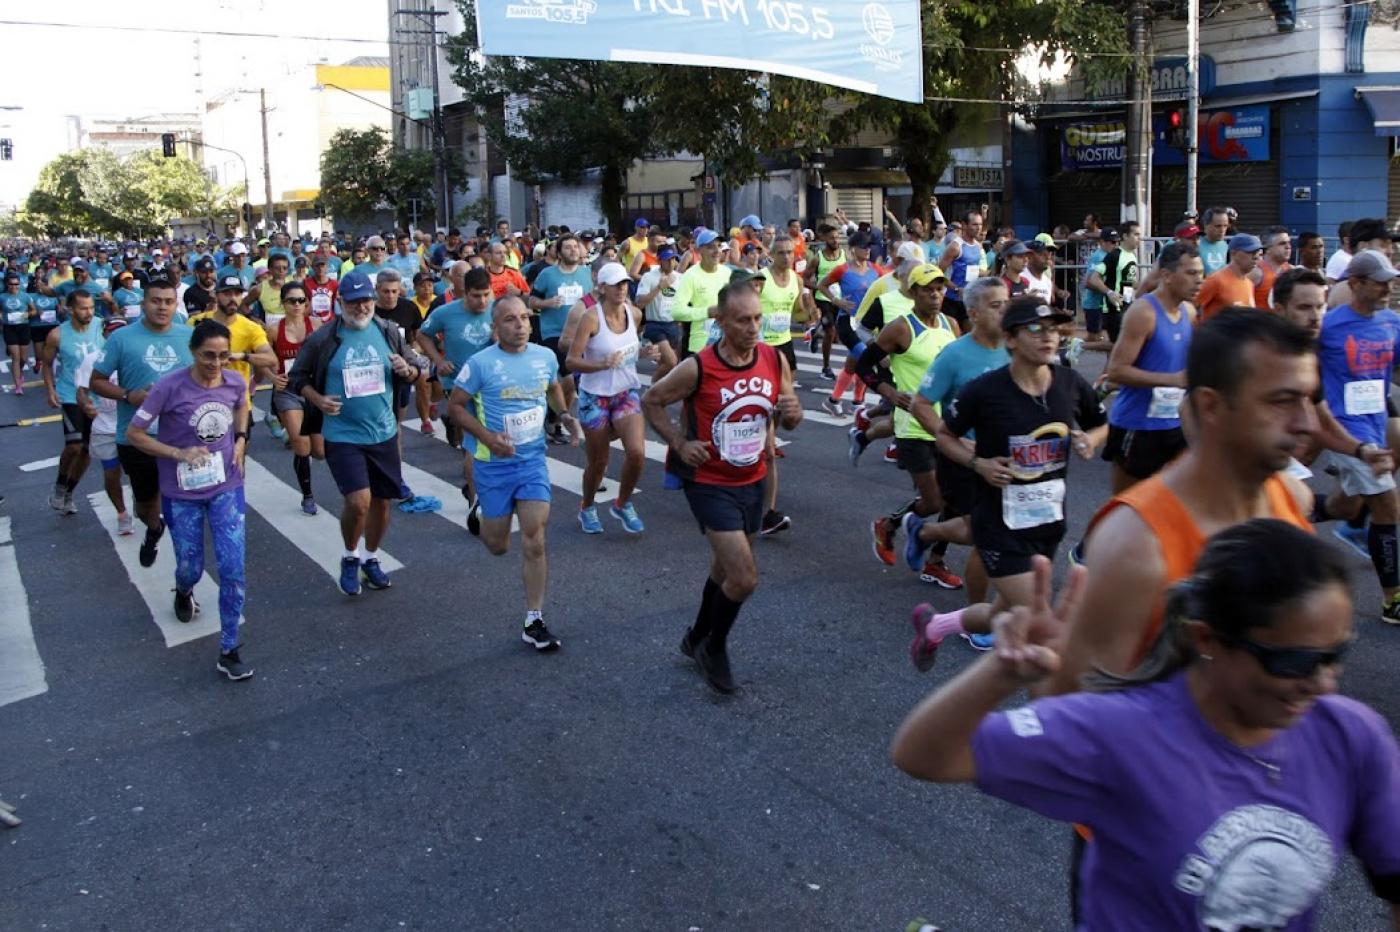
x,y
167,144
1176,129
248,215
7,150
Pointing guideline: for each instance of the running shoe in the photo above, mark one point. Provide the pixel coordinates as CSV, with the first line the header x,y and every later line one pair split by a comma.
x,y
882,531
832,407
56,498
1076,554
811,336
922,651
151,545
913,547
374,574
891,454
185,606
432,410
862,418
349,575
827,375
19,389
124,525
1390,612
232,666
538,636
687,645
856,444
627,514
308,506
474,520
937,572
275,428
588,520
1355,538
1075,350
427,428
983,642
69,508
773,523
558,435
715,666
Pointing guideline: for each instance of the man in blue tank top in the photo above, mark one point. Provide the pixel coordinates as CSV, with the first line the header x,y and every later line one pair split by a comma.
x,y
1149,363
71,343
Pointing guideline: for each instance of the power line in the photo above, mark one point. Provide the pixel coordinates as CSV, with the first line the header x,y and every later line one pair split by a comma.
x,y
232,34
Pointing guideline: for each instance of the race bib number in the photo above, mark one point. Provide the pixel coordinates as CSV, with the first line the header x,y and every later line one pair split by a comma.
x,y
362,381
16,317
741,442
973,273
571,293
1298,471
320,302
800,266
1028,506
778,324
1367,397
1166,402
104,283
198,478
48,316
526,426
132,311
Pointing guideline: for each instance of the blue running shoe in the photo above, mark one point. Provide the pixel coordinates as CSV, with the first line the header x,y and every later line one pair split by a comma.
x,y
588,520
627,514
913,547
308,506
374,574
350,575
1355,538
980,641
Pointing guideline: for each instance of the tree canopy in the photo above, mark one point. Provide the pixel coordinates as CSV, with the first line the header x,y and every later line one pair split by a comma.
x,y
362,170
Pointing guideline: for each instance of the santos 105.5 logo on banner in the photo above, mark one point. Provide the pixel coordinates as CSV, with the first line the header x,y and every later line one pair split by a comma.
x,y
874,47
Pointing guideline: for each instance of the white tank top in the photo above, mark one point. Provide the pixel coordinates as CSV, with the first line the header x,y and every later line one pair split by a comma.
x,y
603,344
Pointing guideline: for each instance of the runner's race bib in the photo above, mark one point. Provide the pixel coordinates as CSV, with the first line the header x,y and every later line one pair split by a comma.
x,y
1166,402
1034,504
778,324
363,381
16,318
1298,471
132,311
1366,397
198,478
526,426
571,293
104,283
320,302
629,355
48,316
741,442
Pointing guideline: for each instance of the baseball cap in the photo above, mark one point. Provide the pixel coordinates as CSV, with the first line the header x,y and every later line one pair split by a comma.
x,y
859,239
705,237
124,276
666,252
237,249
612,273
641,223
744,276
1245,242
1029,310
422,277
926,274
112,325
1186,230
751,221
1372,264
910,252
264,241
749,247
1045,239
1015,248
229,283
131,254
79,264
356,286
1110,234
204,265
1039,245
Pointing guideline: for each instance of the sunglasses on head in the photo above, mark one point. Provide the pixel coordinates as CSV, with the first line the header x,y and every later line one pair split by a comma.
x,y
1290,663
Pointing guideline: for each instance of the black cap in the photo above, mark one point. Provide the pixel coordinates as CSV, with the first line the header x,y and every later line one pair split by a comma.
x,y
204,265
230,283
1111,235
859,240
1029,310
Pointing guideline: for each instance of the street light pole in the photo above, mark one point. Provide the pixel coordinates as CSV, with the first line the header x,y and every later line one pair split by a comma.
x,y
1193,97
439,132
267,162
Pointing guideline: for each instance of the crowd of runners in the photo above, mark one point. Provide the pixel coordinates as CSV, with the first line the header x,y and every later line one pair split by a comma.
x,y
1237,367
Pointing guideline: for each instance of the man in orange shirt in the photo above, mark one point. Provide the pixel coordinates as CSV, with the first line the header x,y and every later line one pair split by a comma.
x,y
1231,286
505,281
1278,247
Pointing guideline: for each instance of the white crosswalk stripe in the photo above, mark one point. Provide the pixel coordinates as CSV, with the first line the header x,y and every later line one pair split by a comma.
x,y
39,464
21,668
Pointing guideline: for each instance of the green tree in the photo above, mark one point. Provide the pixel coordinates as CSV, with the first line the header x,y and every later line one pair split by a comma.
x,y
362,170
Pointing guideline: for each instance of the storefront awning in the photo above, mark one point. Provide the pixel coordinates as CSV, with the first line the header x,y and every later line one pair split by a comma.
x,y
1207,103
1384,104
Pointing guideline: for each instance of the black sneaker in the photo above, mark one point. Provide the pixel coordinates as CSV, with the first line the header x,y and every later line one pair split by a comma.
x,y
150,545
559,435
774,522
827,375
538,637
232,666
715,666
687,645
185,606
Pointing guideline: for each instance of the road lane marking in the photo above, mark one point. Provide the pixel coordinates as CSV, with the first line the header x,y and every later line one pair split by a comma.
x,y
21,667
39,464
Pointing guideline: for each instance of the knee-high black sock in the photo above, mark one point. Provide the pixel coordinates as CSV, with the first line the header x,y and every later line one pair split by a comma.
x,y
302,466
62,480
1320,514
70,483
940,549
1380,540
724,611
702,617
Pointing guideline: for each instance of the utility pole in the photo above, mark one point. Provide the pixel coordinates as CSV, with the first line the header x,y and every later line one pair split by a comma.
x,y
1137,162
444,205
1193,97
267,163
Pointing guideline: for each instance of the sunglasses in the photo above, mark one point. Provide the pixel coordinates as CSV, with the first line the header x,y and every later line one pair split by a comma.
x,y
1291,663
211,356
293,300
1037,328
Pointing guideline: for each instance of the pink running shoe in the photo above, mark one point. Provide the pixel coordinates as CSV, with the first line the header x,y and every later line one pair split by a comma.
x,y
922,651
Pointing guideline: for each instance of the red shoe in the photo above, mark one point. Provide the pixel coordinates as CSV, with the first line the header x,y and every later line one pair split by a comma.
x,y
936,571
882,540
433,411
862,419
891,454
427,428
922,651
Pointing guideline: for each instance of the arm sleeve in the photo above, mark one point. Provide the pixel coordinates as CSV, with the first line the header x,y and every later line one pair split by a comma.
x,y
685,291
874,317
868,365
1047,757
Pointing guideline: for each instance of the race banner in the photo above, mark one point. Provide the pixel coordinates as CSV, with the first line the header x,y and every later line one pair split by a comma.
x,y
874,47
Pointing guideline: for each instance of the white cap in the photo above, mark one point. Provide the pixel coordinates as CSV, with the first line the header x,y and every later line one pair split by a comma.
x,y
910,251
612,274
237,249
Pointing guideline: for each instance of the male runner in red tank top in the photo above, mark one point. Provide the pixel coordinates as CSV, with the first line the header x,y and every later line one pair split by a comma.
x,y
734,393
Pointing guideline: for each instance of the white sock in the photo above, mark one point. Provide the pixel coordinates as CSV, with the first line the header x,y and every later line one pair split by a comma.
x,y
371,555
353,554
532,616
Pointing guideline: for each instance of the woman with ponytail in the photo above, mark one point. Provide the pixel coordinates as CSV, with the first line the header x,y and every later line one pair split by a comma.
x,y
1222,778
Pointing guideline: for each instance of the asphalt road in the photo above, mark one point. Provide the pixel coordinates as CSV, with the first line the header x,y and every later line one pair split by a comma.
x,y
402,760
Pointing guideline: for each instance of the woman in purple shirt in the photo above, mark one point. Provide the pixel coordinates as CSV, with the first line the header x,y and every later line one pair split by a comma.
x,y
199,454
1222,779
